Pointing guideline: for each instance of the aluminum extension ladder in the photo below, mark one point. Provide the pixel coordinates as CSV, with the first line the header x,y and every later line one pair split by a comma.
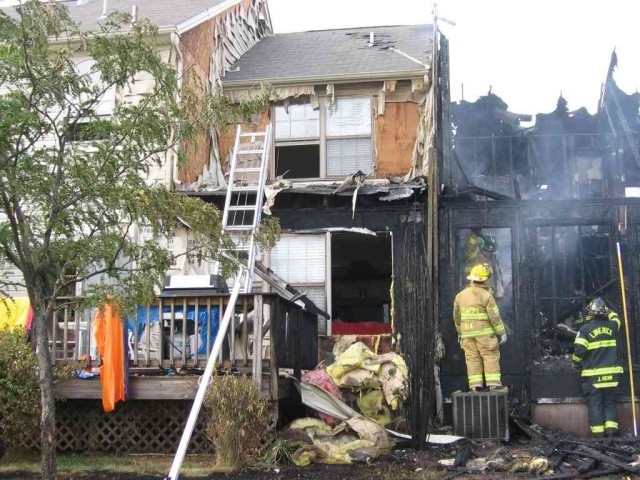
x,y
245,196
241,217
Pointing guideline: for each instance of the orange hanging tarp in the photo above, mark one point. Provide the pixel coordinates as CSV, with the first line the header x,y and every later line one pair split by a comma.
x,y
109,334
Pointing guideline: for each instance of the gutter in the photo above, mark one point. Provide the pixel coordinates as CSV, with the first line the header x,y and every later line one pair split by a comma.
x,y
163,33
341,78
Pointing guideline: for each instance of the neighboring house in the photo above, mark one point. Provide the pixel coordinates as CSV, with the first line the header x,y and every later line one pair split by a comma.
x,y
201,39
353,108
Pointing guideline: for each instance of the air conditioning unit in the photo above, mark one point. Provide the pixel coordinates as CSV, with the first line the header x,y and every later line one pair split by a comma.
x,y
481,415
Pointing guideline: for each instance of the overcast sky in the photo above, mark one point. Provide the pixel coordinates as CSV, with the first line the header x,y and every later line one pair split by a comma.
x,y
527,50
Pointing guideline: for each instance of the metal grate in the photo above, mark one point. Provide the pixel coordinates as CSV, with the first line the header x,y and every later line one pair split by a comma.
x,y
481,415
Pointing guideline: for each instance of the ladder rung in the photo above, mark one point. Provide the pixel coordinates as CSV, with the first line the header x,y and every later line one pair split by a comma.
x,y
248,170
253,134
245,188
249,152
243,208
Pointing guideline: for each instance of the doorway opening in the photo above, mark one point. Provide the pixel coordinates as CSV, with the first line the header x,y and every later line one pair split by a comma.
x,y
361,271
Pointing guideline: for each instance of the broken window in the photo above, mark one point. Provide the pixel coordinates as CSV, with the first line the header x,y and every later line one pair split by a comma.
x,y
572,266
348,133
493,247
361,270
297,141
301,261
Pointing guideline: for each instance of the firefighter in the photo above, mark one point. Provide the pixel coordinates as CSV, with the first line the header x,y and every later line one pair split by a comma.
x,y
478,323
595,357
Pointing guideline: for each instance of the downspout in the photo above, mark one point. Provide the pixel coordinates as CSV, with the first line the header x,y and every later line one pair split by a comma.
x,y
172,157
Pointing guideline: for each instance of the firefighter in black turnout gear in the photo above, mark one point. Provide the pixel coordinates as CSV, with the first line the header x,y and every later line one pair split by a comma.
x,y
595,357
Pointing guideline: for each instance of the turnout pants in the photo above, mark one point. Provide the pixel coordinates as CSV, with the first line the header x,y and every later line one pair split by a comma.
x,y
482,355
601,408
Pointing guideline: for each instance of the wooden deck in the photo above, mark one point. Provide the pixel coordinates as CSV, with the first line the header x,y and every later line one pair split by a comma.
x,y
154,388
267,334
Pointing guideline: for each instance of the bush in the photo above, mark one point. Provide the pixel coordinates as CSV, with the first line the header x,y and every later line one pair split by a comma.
x,y
19,387
237,421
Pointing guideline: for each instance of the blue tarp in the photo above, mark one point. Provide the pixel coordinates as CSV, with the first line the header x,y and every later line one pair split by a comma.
x,y
191,315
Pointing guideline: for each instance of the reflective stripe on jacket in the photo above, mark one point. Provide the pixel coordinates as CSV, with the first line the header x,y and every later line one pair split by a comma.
x,y
476,314
595,351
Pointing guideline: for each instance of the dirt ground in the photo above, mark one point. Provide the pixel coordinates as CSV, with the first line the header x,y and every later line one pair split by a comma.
x,y
401,464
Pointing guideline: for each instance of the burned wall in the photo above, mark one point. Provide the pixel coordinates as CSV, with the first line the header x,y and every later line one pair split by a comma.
x,y
563,155
562,254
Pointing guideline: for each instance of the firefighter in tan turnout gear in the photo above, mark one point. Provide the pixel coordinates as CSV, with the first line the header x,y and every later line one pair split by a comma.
x,y
479,325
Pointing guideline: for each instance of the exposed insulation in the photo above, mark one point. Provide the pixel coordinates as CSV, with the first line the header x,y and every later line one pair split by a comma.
x,y
209,50
396,132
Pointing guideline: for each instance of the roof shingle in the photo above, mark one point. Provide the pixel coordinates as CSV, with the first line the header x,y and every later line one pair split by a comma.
x,y
162,13
334,53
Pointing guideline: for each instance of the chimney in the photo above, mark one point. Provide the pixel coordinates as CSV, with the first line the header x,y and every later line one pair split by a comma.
x,y
104,9
371,38
134,14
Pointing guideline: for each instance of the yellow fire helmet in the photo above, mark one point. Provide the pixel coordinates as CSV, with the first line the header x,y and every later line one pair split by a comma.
x,y
480,273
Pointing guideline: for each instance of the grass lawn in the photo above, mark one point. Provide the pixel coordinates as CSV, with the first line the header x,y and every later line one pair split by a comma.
x,y
70,465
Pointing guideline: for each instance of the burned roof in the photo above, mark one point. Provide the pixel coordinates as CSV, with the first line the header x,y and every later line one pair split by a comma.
x,y
162,13
400,51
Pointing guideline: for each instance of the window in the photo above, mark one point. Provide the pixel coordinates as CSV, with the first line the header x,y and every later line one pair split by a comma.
x,y
573,265
297,141
491,246
343,128
300,260
349,137
96,125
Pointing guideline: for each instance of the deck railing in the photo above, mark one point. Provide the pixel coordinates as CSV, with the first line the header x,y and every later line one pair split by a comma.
x,y
266,333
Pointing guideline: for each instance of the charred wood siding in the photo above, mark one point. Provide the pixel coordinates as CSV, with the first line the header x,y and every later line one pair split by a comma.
x,y
523,368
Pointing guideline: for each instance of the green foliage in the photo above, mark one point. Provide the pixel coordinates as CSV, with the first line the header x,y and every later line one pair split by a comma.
x,y
237,420
19,387
276,454
73,181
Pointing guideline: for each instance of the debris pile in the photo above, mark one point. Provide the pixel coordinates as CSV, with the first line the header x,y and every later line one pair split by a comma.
x,y
551,455
374,384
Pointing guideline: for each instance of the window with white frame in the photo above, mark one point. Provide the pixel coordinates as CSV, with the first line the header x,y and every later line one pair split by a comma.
x,y
301,261
348,137
93,127
297,141
333,140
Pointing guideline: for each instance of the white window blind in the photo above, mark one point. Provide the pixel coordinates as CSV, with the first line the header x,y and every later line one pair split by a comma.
x,y
300,121
348,117
300,259
348,155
